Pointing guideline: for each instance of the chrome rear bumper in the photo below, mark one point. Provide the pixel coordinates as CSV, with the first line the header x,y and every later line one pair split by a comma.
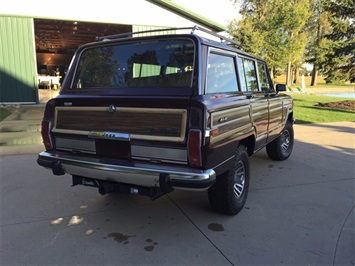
x,y
133,173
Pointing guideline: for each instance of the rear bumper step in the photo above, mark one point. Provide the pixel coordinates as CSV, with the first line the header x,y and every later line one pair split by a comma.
x,y
133,173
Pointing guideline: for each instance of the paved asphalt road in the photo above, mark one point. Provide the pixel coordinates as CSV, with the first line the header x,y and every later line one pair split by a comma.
x,y
298,212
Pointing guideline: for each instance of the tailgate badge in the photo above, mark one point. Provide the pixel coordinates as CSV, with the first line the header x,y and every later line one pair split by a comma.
x,y
111,108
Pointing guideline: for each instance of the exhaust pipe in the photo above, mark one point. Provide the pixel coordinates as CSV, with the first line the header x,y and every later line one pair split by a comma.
x,y
106,189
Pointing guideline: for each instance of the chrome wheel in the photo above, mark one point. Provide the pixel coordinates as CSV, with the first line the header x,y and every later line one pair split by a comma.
x,y
239,179
285,141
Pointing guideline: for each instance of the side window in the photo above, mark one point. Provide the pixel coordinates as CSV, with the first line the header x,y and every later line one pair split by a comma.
x,y
243,82
250,75
221,74
247,72
263,78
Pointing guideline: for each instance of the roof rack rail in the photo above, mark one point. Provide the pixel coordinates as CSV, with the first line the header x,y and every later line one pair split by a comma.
x,y
222,38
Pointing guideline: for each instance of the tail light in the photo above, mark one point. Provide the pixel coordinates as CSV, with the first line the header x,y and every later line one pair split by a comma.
x,y
194,147
47,140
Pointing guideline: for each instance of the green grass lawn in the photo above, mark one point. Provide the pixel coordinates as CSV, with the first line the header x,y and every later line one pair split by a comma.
x,y
4,113
305,110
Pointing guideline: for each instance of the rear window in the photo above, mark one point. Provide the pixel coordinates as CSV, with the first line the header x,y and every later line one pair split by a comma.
x,y
164,63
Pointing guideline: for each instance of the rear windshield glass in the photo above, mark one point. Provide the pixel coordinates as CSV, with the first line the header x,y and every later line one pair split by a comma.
x,y
146,64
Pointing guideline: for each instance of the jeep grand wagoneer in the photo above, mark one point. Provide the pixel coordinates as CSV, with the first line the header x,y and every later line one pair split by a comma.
x,y
148,115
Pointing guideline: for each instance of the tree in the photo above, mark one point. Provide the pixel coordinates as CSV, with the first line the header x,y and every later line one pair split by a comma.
x,y
257,32
296,14
317,27
273,29
339,62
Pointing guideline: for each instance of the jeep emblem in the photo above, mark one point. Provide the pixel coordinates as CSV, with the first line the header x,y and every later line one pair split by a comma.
x,y
111,108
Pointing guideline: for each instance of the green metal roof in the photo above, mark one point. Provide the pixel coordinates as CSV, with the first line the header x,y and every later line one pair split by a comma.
x,y
188,14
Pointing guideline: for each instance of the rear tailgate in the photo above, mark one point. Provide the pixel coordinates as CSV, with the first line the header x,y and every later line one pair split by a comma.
x,y
121,128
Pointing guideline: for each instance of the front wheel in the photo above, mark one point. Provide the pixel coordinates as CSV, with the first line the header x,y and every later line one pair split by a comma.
x,y
228,195
281,148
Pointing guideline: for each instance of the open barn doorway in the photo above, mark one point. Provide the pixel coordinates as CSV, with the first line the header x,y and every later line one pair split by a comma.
x,y
56,42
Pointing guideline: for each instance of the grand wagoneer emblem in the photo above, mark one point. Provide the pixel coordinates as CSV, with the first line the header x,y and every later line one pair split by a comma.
x,y
111,108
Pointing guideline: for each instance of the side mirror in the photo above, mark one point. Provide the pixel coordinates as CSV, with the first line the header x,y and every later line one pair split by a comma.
x,y
280,87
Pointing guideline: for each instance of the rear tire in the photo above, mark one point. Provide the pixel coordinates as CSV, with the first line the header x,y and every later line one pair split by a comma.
x,y
281,148
228,195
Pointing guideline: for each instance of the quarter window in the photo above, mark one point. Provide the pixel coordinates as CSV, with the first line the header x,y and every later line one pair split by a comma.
x,y
263,78
221,75
243,82
247,72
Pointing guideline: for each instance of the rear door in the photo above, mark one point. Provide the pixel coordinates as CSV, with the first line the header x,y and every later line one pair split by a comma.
x,y
228,118
259,102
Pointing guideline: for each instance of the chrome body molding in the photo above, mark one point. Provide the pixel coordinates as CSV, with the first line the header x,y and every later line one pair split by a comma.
x,y
161,154
68,144
146,153
134,173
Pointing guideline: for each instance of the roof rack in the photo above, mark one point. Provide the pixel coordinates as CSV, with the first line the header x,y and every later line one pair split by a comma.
x,y
222,38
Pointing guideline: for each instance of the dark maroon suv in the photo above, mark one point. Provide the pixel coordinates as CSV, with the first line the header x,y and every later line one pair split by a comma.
x,y
148,115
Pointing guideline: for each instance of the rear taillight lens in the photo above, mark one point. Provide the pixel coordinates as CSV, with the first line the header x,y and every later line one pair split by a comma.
x,y
47,140
194,147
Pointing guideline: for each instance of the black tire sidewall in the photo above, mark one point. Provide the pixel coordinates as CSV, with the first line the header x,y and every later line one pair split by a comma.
x,y
274,148
242,156
221,195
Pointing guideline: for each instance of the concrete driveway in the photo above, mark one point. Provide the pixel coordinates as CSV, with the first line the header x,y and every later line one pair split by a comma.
x,y
298,212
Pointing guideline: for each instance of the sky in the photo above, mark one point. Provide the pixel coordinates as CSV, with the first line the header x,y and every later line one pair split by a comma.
x,y
221,11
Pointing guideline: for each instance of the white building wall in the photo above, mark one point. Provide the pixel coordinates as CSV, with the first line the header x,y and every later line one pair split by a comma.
x,y
130,12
